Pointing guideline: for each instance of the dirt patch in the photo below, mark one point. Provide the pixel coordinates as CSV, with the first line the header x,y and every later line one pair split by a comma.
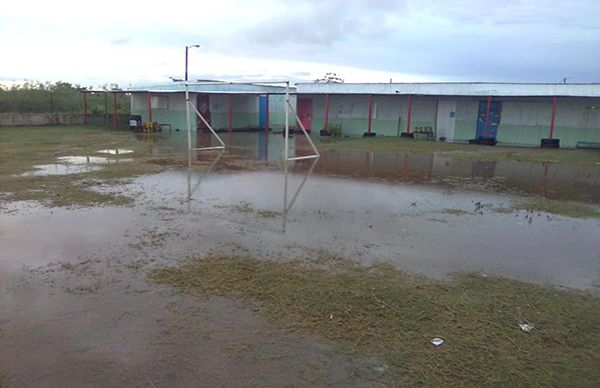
x,y
382,311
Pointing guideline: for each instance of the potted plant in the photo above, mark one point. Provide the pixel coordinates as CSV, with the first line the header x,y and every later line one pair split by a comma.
x,y
334,130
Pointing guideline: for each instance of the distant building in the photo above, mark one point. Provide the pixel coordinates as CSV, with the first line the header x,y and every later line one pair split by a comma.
x,y
509,113
504,113
226,106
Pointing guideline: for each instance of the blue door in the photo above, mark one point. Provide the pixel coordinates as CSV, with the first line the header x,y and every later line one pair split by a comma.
x,y
263,146
493,121
262,111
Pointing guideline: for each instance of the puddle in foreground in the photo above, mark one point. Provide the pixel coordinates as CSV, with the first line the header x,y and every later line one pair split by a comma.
x,y
419,228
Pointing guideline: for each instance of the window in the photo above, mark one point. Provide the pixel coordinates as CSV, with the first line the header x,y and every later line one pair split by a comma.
x,y
160,102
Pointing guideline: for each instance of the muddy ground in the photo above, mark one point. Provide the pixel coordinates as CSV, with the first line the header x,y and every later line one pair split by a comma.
x,y
77,307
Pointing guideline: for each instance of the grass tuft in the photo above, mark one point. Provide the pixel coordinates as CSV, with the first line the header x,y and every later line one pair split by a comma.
x,y
382,311
563,208
3,381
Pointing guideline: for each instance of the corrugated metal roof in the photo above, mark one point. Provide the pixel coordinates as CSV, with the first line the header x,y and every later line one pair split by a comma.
x,y
216,88
454,89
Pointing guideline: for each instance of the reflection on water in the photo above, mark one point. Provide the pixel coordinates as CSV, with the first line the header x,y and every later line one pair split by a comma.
x,y
116,151
192,188
61,169
552,181
549,180
287,206
73,165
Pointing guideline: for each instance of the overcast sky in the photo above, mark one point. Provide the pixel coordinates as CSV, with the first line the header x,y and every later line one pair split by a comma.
x,y
143,42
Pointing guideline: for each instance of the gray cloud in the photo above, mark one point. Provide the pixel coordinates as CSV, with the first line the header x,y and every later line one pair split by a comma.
x,y
470,40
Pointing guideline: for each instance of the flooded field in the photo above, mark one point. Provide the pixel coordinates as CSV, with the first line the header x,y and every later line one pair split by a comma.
x,y
76,306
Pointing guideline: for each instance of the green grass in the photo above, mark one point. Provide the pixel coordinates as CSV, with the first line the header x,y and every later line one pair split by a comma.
x,y
455,212
582,158
382,312
268,213
563,208
24,147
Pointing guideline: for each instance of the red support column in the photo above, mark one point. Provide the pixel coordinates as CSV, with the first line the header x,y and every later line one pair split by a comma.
x,y
487,116
554,103
230,114
149,107
267,114
115,111
326,111
85,113
409,113
370,111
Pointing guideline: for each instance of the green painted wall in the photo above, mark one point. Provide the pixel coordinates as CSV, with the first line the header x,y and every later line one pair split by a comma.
x,y
464,130
352,113
238,120
521,134
569,136
531,135
524,121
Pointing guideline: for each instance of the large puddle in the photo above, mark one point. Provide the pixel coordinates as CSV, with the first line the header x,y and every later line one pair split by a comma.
x,y
75,306
427,230
547,180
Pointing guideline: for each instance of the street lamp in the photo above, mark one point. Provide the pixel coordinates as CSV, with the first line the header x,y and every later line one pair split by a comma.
x,y
186,58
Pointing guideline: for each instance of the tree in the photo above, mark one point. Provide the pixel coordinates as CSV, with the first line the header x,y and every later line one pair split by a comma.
x,y
330,78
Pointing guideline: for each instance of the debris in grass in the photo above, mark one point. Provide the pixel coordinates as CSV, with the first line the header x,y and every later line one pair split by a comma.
x,y
437,342
470,308
381,368
526,328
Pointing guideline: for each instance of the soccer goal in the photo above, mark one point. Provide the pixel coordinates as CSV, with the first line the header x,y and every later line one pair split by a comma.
x,y
287,205
288,109
188,104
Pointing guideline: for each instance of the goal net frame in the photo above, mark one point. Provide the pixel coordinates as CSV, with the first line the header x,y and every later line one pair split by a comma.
x,y
288,108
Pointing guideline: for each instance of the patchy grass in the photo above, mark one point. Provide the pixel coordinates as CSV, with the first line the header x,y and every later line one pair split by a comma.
x,y
502,209
384,312
3,381
268,213
247,208
582,158
455,212
24,147
563,208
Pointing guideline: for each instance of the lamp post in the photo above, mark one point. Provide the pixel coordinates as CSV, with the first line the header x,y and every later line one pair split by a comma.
x,y
186,58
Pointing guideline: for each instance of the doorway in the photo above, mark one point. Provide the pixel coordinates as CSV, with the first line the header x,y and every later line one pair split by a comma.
x,y
493,120
305,113
446,112
203,106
